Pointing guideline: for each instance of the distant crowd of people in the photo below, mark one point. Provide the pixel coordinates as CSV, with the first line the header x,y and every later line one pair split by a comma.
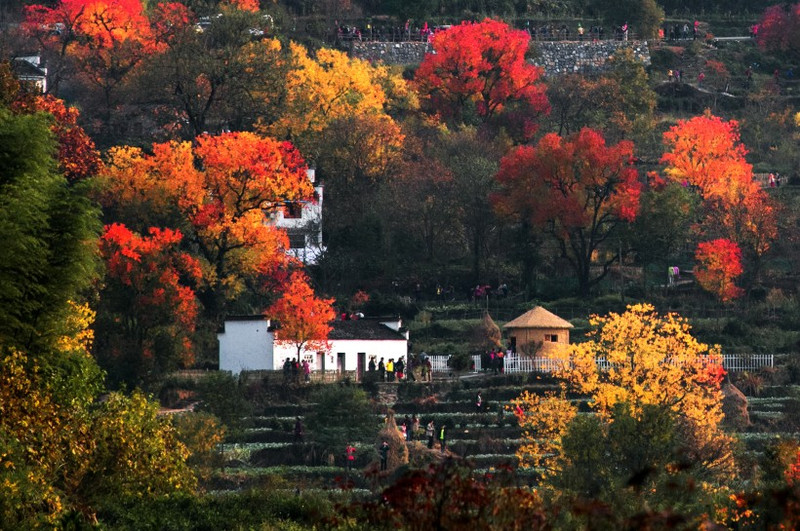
x,y
396,371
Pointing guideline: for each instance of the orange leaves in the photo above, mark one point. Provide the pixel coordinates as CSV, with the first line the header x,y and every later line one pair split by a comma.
x,y
483,63
705,152
719,262
154,273
303,318
245,5
221,188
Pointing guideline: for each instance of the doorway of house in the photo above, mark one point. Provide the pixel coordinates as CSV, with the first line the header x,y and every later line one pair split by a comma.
x,y
340,362
362,365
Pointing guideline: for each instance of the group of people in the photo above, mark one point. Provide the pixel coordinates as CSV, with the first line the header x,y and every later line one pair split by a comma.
x,y
382,33
675,32
397,371
494,360
292,369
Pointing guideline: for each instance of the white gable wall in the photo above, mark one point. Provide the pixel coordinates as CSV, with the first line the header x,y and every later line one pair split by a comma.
x,y
246,345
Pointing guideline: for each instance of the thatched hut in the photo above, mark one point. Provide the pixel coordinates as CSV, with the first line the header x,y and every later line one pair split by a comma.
x,y
537,331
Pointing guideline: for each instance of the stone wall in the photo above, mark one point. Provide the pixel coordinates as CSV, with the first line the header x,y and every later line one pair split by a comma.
x,y
583,57
394,53
559,57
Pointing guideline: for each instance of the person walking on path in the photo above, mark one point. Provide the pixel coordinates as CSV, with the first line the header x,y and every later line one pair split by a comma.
x,y
443,438
350,453
298,431
479,401
430,431
390,370
382,370
384,452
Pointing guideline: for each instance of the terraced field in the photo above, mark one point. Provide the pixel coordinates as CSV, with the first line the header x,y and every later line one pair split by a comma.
x,y
488,437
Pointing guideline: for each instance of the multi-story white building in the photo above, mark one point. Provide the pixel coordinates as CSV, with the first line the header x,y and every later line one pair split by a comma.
x,y
302,221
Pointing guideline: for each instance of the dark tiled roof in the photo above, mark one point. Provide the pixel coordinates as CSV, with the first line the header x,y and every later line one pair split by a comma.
x,y
362,329
24,68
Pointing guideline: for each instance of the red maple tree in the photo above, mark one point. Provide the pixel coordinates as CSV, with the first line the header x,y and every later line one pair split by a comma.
x,y
481,65
779,29
148,295
221,189
719,262
579,189
303,318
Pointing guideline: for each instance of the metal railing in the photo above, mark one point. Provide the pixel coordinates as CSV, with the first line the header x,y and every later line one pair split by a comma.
x,y
516,364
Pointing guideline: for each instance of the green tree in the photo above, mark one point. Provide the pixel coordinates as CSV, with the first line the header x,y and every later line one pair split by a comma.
x,y
342,415
663,226
644,17
49,231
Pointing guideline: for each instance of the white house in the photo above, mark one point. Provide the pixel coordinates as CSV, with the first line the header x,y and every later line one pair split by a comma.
x,y
249,343
302,221
30,69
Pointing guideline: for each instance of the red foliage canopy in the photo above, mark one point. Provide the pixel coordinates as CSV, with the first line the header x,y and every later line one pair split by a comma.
x,y
149,275
719,262
779,28
482,63
578,188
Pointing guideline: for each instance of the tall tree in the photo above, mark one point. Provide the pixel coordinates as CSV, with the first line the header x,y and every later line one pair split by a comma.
x,y
579,190
642,358
706,153
219,192
779,29
478,71
303,319
49,229
148,305
215,79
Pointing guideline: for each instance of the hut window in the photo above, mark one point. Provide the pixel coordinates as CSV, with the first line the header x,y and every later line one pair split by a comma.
x,y
553,338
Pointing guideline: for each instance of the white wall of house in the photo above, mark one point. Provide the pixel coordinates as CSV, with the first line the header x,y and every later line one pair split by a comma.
x,y
246,345
308,226
350,348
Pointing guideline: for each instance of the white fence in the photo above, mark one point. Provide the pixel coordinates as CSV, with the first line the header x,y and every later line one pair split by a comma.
x,y
512,364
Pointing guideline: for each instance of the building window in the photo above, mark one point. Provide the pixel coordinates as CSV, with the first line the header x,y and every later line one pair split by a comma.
x,y
292,210
297,241
552,338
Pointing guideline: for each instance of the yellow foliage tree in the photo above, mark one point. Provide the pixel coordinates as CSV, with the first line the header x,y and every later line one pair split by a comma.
x,y
332,86
640,357
544,420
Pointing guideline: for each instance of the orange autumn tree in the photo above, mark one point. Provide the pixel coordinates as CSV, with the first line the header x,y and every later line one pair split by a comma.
x,y
707,154
480,70
220,190
719,262
102,41
148,303
303,318
578,189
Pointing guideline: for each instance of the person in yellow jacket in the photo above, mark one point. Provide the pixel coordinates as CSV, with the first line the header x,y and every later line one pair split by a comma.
x,y
390,370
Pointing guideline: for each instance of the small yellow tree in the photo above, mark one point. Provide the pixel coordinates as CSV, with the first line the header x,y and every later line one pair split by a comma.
x,y
544,420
